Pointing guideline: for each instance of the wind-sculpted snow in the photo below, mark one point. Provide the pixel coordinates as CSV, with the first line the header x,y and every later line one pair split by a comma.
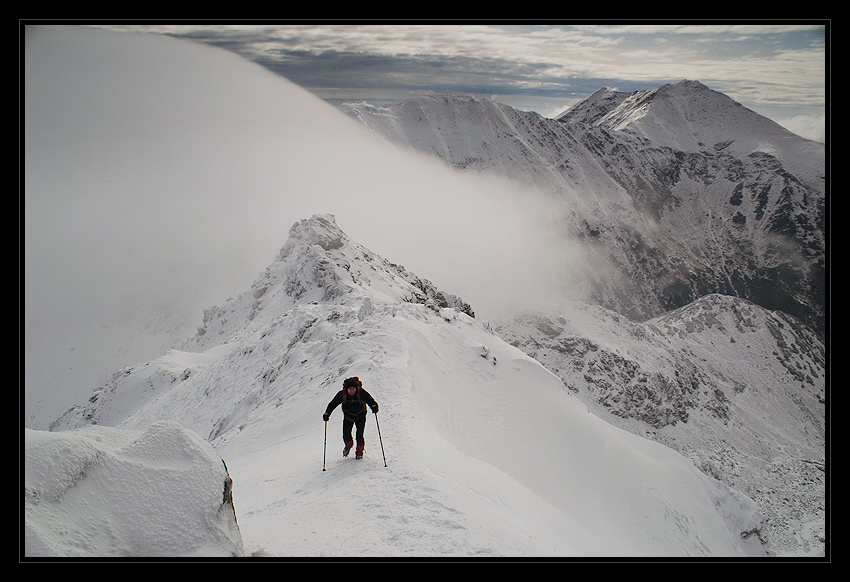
x,y
102,492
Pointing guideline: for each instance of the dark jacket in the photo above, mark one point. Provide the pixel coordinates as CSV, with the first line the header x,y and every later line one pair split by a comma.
x,y
353,407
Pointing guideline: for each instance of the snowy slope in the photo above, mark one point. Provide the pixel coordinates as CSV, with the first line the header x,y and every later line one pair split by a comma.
x,y
487,454
737,389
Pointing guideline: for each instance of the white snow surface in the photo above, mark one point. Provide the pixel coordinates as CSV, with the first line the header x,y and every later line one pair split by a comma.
x,y
482,452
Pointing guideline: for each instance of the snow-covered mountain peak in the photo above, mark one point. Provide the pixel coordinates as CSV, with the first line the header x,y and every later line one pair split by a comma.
x,y
319,264
320,230
687,116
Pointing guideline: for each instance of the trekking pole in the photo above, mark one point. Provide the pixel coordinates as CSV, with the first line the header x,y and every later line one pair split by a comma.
x,y
380,439
325,451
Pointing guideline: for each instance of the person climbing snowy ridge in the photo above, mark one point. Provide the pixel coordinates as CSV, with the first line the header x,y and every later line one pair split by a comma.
x,y
354,400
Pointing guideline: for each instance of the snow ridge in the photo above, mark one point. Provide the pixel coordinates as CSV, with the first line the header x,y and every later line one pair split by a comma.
x,y
488,438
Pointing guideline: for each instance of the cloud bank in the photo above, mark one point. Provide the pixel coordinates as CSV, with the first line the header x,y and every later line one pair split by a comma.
x,y
162,176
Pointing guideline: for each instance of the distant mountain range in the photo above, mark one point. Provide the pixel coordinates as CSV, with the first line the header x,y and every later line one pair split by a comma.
x,y
677,192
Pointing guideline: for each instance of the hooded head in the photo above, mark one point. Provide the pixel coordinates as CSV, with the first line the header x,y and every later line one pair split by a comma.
x,y
350,387
353,382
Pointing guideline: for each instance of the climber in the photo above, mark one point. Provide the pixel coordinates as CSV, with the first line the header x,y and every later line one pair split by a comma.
x,y
354,400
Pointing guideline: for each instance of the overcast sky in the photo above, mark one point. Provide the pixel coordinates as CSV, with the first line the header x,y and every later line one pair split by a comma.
x,y
778,69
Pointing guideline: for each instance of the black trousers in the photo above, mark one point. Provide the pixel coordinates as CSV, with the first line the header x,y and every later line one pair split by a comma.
x,y
348,423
